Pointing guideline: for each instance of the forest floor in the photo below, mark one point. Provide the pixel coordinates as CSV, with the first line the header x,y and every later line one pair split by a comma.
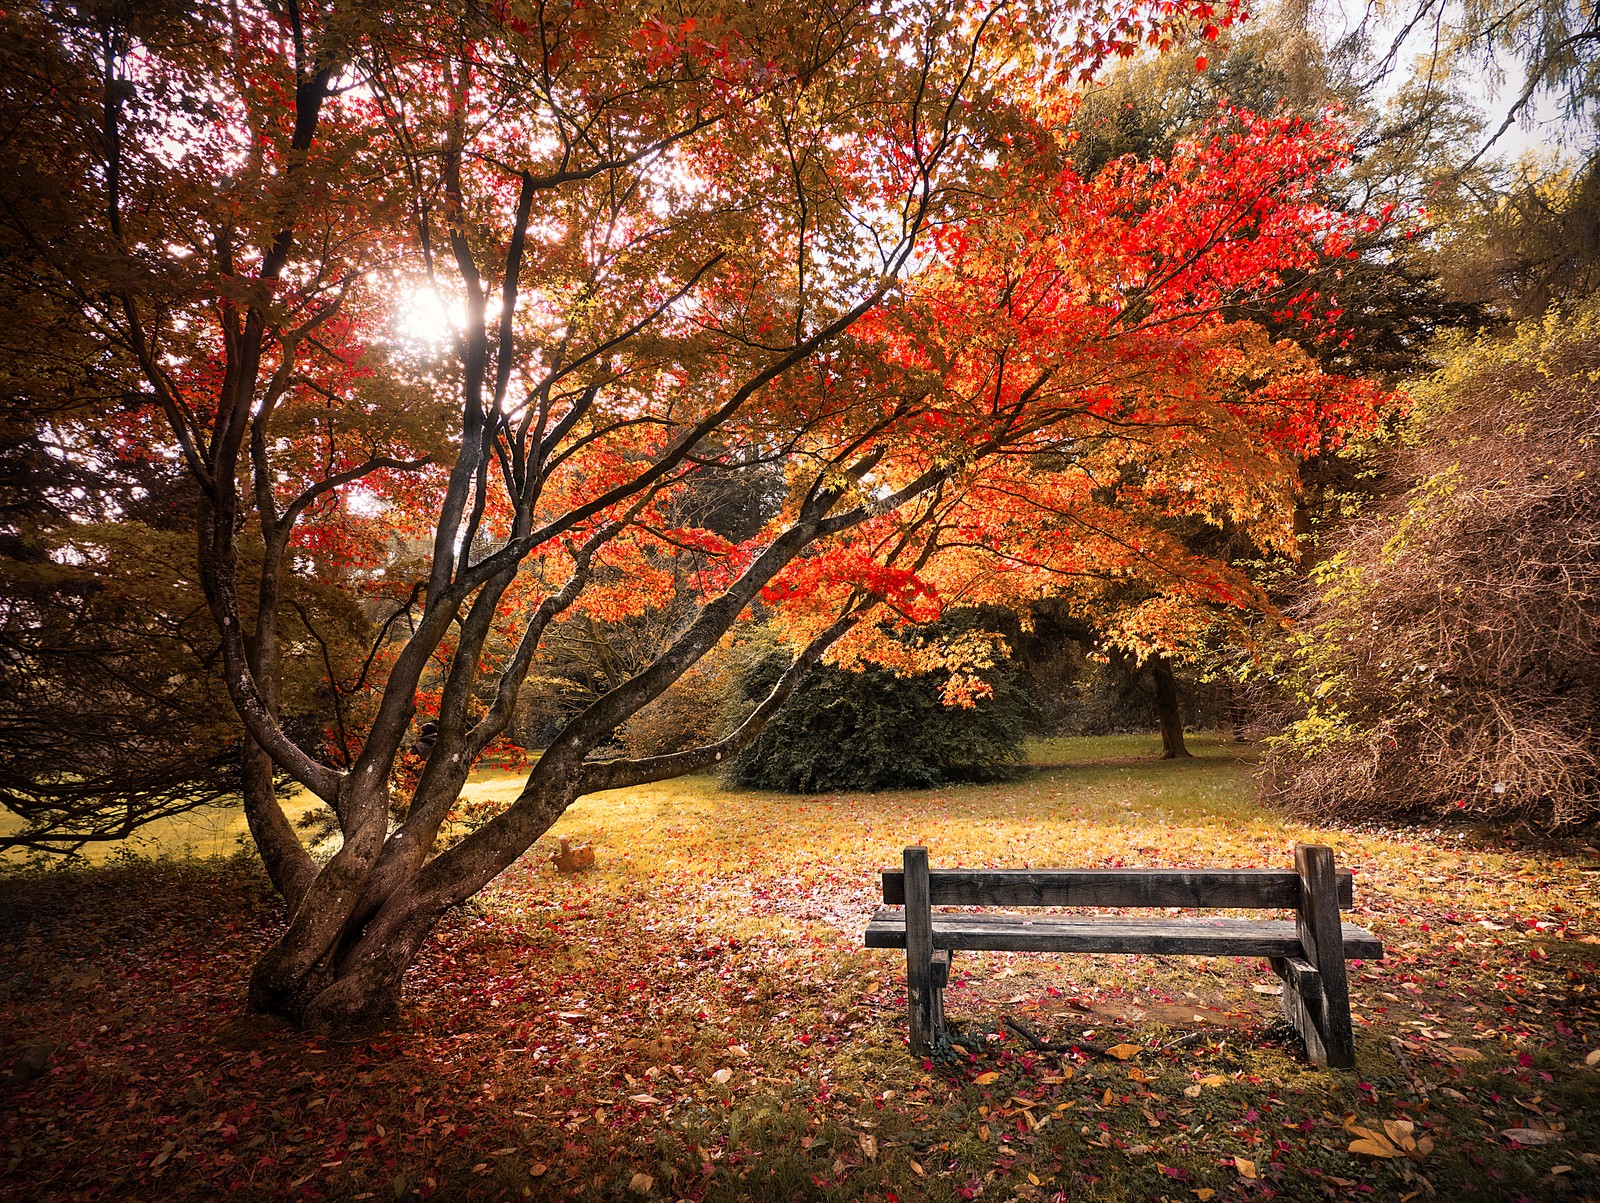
x,y
695,1018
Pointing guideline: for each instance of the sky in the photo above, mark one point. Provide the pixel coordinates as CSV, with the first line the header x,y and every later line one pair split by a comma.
x,y
1542,126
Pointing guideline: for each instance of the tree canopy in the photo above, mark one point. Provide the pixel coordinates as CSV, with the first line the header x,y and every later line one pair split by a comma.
x,y
664,250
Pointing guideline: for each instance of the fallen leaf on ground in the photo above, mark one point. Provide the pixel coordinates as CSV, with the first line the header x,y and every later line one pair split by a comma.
x,y
1373,1148
1246,1167
1123,1051
1531,1136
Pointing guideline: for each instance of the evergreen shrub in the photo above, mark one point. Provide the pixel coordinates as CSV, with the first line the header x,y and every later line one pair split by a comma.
x,y
870,729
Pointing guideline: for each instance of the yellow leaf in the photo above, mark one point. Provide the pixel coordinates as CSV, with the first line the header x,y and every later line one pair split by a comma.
x,y
1123,1051
1137,1075
1373,1148
1106,1102
1246,1167
1213,1080
985,1079
1204,1193
1034,1178
918,1170
983,1131
641,1184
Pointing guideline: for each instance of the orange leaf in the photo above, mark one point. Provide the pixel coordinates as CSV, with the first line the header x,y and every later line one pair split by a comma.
x,y
1373,1148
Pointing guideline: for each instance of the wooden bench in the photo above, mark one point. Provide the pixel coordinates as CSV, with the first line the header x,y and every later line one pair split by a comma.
x,y
1308,952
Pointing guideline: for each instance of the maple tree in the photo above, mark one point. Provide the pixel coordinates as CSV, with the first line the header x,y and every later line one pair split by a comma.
x,y
669,249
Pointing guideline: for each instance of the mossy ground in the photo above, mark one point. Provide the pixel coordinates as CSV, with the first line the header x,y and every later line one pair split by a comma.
x,y
694,1018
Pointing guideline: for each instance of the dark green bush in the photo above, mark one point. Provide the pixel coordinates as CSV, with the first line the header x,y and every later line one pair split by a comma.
x,y
872,730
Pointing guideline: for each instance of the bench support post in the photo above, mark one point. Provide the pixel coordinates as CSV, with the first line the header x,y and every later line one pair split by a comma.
x,y
1320,1012
920,990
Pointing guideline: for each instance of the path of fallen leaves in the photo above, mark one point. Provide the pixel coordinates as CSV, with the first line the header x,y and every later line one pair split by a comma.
x,y
693,1019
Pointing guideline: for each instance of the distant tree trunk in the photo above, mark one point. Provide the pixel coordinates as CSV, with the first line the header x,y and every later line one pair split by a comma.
x,y
1168,711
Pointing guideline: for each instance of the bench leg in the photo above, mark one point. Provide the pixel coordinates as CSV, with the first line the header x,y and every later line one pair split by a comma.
x,y
920,1001
939,975
1322,936
1302,1003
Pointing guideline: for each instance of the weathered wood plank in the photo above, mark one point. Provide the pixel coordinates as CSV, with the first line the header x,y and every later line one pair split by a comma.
x,y
939,971
1216,888
918,942
1051,933
1307,1016
1326,948
1298,975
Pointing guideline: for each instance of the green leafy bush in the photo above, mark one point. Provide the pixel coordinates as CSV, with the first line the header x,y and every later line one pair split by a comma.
x,y
871,730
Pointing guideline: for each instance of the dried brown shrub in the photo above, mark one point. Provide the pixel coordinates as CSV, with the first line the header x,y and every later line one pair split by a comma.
x,y
1451,659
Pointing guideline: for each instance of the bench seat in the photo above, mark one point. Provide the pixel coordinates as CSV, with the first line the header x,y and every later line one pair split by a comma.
x,y
1156,937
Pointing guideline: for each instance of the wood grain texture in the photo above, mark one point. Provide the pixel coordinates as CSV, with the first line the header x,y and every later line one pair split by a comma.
x,y
1051,933
1326,948
1207,888
917,940
1298,975
1308,1017
939,978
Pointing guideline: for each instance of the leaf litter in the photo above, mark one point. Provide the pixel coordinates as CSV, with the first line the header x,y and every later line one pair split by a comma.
x,y
709,1029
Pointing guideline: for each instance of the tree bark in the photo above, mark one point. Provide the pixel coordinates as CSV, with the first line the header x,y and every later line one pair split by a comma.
x,y
1169,711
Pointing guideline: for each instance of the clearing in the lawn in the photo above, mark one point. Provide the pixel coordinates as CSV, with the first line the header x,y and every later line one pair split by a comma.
x,y
696,1018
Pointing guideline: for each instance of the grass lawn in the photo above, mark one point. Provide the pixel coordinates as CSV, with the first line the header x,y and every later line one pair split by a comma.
x,y
695,1019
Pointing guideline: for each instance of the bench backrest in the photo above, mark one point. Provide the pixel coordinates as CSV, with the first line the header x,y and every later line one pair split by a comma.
x,y
1223,888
